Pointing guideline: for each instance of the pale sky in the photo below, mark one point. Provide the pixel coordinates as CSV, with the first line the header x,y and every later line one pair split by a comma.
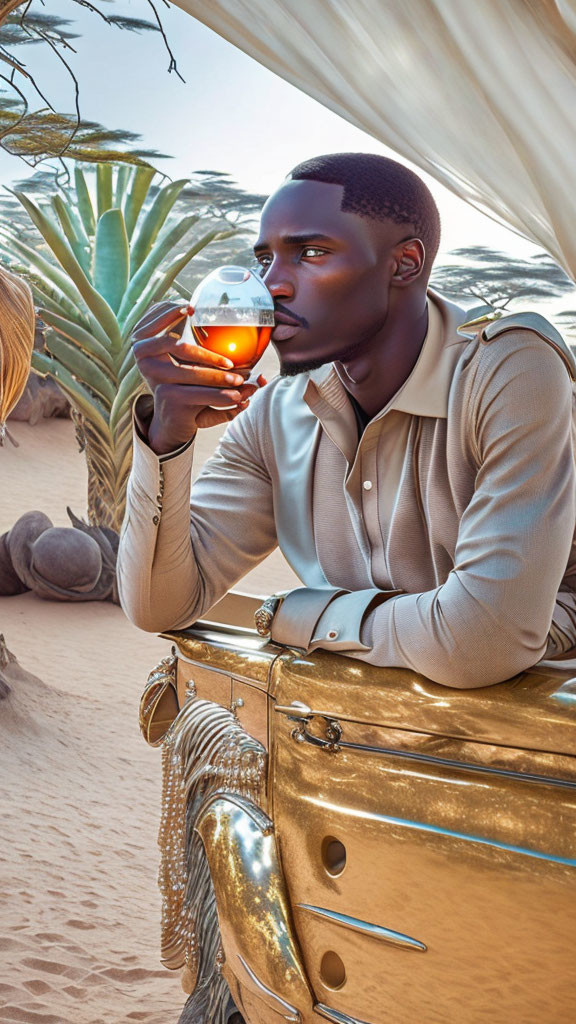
x,y
230,115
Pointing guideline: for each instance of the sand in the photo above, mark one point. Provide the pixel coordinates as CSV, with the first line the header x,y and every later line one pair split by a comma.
x,y
79,926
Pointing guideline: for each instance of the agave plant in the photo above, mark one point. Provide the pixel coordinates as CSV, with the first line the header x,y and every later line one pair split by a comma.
x,y
108,255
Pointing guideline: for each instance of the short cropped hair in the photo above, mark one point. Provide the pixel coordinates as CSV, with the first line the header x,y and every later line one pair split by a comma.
x,y
379,189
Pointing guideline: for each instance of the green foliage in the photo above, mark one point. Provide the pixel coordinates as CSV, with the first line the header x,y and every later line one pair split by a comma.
x,y
92,279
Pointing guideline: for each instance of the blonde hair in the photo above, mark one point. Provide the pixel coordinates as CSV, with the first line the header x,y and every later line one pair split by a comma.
x,y
17,325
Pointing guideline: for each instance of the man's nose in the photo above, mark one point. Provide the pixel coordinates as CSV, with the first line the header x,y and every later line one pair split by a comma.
x,y
279,284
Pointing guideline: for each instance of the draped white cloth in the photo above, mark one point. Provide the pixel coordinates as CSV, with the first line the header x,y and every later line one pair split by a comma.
x,y
481,94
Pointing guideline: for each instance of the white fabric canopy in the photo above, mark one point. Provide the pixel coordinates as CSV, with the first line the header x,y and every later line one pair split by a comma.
x,y
481,94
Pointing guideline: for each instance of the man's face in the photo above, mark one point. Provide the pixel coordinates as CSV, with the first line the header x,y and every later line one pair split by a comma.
x,y
329,273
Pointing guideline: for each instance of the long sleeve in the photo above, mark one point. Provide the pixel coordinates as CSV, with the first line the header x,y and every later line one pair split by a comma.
x,y
182,548
491,618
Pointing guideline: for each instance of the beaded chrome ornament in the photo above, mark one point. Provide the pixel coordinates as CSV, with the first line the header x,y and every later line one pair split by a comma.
x,y
205,751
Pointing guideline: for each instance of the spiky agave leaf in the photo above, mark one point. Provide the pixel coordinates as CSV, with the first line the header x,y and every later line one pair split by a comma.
x,y
107,253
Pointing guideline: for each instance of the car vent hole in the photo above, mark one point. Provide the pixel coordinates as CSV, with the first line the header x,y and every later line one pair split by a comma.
x,y
333,855
332,970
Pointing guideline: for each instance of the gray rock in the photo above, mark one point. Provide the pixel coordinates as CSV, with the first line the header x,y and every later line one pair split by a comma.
x,y
68,558
41,399
10,582
21,537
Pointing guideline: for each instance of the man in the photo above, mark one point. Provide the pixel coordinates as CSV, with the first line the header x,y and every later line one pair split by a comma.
x,y
420,481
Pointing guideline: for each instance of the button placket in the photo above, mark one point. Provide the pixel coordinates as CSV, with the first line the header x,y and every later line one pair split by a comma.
x,y
159,496
369,502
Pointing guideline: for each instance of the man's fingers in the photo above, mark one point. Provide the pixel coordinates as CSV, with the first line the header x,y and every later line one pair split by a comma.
x,y
180,354
160,318
248,389
162,371
212,417
191,396
185,353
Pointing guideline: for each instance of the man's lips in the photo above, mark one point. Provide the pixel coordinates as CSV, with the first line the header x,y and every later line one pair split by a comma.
x,y
286,326
284,330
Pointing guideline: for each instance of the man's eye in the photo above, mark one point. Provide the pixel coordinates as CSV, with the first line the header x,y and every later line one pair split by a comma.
x,y
312,250
262,263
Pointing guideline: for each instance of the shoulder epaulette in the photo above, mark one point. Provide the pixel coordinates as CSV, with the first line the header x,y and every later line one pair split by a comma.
x,y
540,326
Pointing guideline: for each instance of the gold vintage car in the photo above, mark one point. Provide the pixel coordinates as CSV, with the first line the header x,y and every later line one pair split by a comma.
x,y
380,849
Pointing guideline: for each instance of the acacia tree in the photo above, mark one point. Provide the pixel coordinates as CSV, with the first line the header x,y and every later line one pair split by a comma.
x,y
35,135
496,278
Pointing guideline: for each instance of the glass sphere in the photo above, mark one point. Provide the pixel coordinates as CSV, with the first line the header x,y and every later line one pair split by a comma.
x,y
233,314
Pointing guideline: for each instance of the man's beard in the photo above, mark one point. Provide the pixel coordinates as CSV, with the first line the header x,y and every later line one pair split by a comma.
x,y
343,356
293,369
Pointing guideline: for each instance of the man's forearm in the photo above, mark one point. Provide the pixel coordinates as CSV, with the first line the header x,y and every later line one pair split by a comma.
x,y
158,580
448,635
183,548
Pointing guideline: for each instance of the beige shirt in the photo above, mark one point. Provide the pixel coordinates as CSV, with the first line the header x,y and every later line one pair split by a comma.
x,y
441,542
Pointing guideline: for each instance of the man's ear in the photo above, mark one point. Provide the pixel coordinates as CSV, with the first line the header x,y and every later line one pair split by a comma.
x,y
410,257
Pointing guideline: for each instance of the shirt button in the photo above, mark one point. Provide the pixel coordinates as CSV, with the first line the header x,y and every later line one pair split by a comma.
x,y
367,485
332,634
155,520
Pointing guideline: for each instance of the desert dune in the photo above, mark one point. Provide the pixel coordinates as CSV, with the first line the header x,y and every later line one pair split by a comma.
x,y
79,929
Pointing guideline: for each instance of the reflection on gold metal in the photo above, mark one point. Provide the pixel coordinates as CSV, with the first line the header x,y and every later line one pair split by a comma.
x,y
522,712
251,708
159,701
243,655
434,850
441,814
554,769
208,685
253,904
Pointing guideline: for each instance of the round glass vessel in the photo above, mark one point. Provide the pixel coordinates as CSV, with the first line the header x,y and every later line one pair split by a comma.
x,y
233,315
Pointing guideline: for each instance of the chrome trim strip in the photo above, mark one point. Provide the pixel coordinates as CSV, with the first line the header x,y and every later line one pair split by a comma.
x,y
289,1013
202,629
466,766
376,931
336,1015
423,826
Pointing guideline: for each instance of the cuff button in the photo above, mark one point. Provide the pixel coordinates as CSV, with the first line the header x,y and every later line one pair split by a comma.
x,y
332,634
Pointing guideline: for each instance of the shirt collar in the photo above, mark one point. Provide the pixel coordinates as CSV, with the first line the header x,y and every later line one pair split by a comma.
x,y
426,390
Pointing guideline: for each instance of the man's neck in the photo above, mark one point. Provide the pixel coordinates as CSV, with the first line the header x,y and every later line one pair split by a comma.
x,y
378,371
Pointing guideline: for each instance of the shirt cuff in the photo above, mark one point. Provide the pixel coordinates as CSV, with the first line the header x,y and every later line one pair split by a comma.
x,y
154,480
142,414
294,622
341,626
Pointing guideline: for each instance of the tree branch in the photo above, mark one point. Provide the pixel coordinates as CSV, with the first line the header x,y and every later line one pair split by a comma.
x,y
172,65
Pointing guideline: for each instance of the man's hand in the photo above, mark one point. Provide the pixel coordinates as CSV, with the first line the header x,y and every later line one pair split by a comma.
x,y
192,387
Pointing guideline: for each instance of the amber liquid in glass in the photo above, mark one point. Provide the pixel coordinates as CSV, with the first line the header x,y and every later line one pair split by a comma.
x,y
242,344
